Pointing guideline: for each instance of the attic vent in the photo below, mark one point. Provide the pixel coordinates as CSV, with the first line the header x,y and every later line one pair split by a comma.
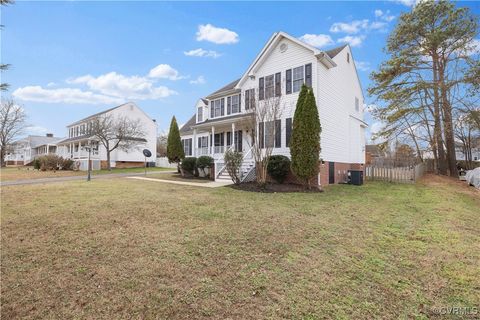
x,y
283,47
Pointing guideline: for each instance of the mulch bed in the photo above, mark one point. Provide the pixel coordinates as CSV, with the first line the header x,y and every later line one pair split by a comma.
x,y
274,187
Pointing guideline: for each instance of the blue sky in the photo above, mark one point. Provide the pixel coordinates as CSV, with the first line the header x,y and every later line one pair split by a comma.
x,y
72,59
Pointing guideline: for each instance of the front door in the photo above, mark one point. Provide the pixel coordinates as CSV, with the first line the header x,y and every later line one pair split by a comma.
x,y
331,172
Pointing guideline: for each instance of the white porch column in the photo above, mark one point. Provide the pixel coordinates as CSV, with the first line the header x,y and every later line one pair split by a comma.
x,y
213,140
233,135
194,143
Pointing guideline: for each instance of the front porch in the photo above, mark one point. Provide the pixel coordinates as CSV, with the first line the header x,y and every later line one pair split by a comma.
x,y
216,139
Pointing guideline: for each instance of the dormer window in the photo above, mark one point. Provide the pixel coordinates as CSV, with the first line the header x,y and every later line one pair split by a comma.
x,y
200,114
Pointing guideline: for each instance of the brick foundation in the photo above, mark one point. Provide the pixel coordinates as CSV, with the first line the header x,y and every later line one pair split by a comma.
x,y
341,170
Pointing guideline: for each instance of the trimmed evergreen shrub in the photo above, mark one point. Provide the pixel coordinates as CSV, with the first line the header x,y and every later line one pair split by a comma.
x,y
278,168
175,152
37,164
305,142
204,162
189,164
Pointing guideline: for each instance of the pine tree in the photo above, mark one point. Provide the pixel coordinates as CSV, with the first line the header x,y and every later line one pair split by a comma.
x,y
305,143
175,152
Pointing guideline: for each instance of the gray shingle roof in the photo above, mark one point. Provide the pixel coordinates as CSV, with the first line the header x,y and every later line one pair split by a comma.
x,y
96,114
36,141
187,127
333,52
228,87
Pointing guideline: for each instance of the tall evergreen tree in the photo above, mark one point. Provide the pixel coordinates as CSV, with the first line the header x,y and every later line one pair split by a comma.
x,y
305,143
175,152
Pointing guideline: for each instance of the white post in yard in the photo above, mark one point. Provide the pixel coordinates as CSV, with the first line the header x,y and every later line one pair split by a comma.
x,y
194,142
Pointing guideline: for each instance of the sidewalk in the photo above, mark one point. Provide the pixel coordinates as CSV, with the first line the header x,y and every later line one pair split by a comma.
x,y
213,184
73,178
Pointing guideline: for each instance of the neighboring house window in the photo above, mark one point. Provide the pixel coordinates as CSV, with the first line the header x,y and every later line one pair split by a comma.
x,y
187,146
199,114
77,130
297,78
308,75
269,86
288,131
219,107
82,129
357,104
249,98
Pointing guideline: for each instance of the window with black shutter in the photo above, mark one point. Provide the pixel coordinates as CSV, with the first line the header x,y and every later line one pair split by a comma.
x,y
288,81
261,135
278,84
223,107
212,109
261,88
308,75
278,133
239,102
229,105
288,131
229,138
247,99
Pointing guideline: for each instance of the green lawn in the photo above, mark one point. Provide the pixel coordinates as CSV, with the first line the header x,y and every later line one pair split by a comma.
x,y
19,173
146,250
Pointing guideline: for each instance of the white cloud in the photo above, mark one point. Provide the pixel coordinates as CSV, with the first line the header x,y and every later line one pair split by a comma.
x,y
474,47
353,41
317,40
199,80
378,13
377,25
202,53
384,15
118,85
362,65
164,71
351,27
216,35
63,95
408,3
51,84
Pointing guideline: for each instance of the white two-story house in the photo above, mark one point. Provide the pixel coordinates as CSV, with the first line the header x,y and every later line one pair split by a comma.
x,y
280,69
80,136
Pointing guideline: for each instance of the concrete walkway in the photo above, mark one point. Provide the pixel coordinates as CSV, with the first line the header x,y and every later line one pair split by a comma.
x,y
213,184
72,178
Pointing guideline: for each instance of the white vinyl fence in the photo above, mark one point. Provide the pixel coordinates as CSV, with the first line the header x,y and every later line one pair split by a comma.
x,y
163,163
400,175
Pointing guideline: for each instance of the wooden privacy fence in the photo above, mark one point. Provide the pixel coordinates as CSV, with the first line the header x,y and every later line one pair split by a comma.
x,y
401,175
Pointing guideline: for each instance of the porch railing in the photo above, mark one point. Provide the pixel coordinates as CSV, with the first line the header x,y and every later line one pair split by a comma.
x,y
202,151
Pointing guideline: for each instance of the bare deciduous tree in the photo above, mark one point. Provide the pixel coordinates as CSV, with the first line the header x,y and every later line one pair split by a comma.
x,y
261,124
12,124
162,141
118,132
